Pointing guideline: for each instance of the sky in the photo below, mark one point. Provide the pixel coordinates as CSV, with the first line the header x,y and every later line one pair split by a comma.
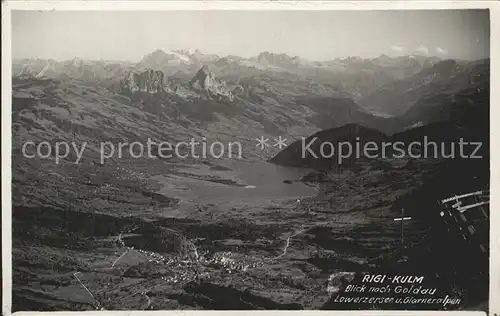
x,y
315,35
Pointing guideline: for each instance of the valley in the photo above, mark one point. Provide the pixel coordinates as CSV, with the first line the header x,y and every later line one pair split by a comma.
x,y
264,231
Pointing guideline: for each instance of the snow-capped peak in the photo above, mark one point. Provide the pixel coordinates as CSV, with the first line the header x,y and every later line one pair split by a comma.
x,y
179,55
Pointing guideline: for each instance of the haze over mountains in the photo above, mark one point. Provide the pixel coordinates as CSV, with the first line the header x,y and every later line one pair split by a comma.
x,y
384,86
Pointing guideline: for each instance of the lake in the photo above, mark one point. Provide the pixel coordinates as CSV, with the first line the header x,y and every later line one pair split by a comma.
x,y
233,180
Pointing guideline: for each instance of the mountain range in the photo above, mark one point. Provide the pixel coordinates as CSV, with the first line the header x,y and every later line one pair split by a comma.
x,y
273,94
357,76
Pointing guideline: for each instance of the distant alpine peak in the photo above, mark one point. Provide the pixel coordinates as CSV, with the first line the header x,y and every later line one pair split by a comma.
x,y
160,58
78,62
274,56
158,55
188,51
383,57
181,51
157,52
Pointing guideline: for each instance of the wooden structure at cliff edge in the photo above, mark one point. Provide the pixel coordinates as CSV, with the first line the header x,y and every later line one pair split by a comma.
x,y
466,216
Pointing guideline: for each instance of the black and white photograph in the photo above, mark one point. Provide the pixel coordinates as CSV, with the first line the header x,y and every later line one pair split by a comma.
x,y
250,160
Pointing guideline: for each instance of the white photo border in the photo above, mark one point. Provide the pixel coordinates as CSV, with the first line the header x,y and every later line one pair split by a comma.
x,y
8,6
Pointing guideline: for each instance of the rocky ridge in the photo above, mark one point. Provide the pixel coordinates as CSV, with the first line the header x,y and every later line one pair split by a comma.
x,y
203,85
148,80
214,88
